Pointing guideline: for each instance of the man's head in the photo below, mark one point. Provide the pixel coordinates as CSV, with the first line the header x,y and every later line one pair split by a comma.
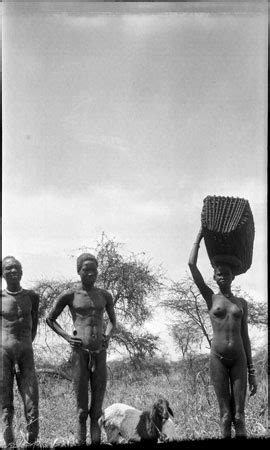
x,y
223,275
87,265
11,271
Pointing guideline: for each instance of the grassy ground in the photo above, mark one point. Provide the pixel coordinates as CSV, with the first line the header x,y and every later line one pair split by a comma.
x,y
186,386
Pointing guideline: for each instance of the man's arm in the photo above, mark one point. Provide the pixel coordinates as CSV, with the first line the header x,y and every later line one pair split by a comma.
x,y
112,319
34,313
61,302
196,274
247,346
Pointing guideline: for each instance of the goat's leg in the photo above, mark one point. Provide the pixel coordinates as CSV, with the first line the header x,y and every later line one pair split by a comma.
x,y
113,434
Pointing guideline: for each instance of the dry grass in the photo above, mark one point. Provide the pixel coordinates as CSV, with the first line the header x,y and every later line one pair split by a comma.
x,y
187,388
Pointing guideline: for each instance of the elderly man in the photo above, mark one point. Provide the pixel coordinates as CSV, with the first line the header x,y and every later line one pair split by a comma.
x,y
19,317
87,305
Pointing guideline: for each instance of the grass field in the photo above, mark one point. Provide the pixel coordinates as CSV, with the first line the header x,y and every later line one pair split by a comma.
x,y
185,385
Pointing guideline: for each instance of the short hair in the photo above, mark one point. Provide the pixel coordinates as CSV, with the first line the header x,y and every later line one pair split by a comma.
x,y
85,257
10,257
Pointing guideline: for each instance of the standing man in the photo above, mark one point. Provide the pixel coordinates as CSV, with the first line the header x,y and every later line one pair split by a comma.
x,y
19,319
89,343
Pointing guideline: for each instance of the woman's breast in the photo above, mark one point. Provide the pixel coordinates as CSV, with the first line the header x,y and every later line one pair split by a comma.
x,y
218,312
226,310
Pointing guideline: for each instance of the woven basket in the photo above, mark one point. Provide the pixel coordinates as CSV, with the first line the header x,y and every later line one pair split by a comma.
x,y
228,230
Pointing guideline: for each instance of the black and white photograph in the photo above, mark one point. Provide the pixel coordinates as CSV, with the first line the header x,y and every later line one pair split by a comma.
x,y
134,223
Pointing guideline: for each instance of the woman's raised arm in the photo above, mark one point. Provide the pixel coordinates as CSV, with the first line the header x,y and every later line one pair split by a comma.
x,y
196,274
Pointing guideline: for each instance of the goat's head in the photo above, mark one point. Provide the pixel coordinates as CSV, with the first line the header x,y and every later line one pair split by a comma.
x,y
161,409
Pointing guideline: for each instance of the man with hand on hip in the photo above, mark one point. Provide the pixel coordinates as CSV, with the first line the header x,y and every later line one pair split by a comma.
x,y
89,343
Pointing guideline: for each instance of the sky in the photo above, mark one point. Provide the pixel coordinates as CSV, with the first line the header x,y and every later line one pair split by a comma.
x,y
121,118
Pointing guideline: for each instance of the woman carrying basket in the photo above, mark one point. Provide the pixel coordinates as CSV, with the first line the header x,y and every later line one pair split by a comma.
x,y
230,355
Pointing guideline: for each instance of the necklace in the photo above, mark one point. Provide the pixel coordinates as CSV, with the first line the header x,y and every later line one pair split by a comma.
x,y
15,292
228,295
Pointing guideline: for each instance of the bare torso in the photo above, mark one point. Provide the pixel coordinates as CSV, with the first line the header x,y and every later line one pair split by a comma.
x,y
230,355
226,315
16,312
87,310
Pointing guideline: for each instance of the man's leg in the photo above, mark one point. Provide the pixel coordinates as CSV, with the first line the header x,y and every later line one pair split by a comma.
x,y
7,399
28,388
98,380
220,379
80,361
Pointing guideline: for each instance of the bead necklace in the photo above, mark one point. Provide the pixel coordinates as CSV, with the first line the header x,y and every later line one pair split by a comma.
x,y
15,292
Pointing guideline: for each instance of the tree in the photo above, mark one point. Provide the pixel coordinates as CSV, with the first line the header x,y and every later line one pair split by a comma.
x,y
132,283
257,311
186,337
191,324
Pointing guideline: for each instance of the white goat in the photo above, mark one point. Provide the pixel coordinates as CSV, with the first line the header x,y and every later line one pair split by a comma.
x,y
123,423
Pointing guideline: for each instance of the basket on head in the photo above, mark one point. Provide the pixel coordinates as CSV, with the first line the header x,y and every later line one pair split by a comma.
x,y
228,230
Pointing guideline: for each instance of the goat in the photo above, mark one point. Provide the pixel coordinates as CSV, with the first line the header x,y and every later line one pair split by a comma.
x,y
123,423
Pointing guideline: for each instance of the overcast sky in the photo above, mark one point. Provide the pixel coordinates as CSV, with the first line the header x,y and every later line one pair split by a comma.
x,y
122,118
